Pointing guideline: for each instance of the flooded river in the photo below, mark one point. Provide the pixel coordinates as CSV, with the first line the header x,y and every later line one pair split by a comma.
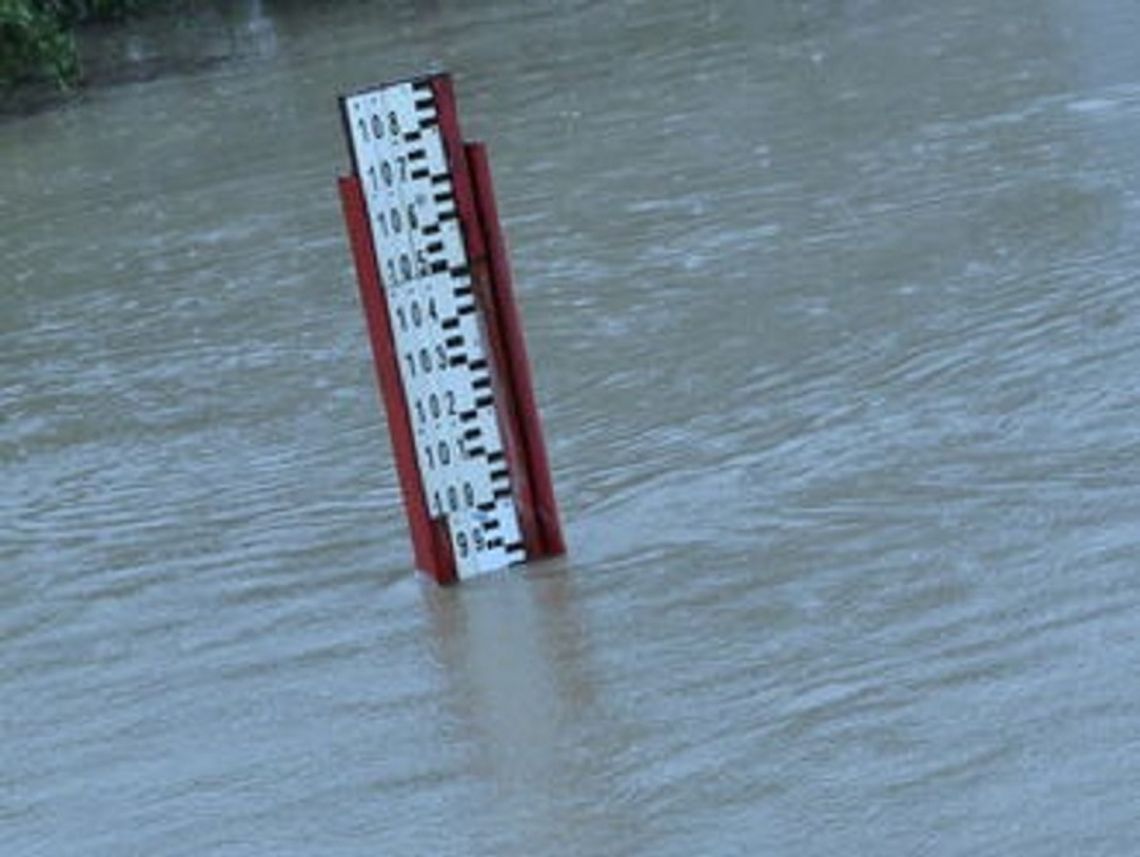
x,y
835,313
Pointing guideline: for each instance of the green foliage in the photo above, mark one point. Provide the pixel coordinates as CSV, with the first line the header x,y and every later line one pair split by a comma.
x,y
35,44
37,40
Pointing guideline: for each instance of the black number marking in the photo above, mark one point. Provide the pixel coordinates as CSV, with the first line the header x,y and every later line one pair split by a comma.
x,y
393,123
394,216
386,173
377,126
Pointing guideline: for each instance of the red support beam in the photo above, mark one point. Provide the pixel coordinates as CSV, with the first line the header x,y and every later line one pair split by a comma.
x,y
474,235
430,542
514,362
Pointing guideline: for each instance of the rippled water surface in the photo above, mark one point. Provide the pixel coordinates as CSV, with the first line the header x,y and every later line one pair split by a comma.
x,y
835,311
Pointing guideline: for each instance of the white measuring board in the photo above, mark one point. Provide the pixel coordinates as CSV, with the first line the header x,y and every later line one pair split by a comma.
x,y
440,343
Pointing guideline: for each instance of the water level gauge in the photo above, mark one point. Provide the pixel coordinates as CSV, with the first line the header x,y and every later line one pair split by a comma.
x,y
446,334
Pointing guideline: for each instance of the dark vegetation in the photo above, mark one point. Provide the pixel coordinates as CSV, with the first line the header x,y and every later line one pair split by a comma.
x,y
37,37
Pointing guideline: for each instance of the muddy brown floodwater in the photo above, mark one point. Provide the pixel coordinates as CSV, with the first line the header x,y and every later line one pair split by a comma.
x,y
835,313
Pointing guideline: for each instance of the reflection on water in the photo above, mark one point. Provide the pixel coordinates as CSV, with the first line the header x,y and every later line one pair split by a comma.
x,y
834,310
514,658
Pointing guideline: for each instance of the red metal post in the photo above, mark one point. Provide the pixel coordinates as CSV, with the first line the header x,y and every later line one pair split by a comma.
x,y
474,235
514,362
430,542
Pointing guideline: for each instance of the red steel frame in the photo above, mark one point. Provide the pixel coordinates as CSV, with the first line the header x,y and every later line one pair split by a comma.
x,y
517,409
509,348
430,544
